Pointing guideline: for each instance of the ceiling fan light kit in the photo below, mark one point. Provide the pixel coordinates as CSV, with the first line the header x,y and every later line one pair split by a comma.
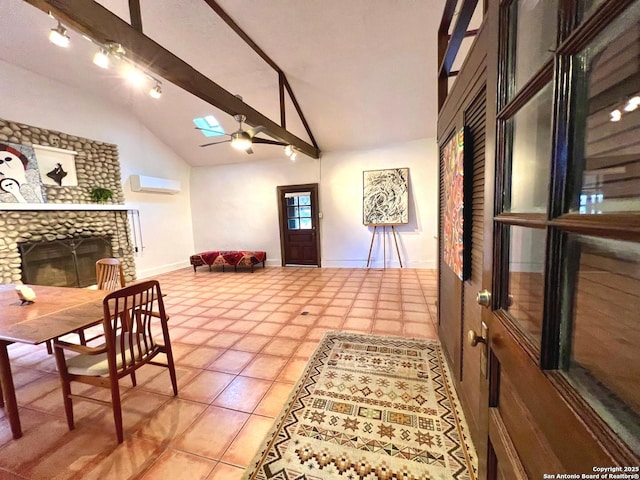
x,y
241,141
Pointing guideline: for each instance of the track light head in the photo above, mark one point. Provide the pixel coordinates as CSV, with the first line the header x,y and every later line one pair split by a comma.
x,y
615,115
156,92
58,36
101,58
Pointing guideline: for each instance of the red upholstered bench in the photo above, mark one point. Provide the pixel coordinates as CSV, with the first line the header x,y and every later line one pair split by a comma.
x,y
229,258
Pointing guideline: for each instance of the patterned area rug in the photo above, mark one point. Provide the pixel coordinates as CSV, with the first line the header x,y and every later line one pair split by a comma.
x,y
369,408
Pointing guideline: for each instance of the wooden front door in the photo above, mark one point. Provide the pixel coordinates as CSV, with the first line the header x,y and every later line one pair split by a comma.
x,y
299,224
563,273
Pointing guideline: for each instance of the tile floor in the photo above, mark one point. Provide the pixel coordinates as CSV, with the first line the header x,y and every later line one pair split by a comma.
x,y
240,341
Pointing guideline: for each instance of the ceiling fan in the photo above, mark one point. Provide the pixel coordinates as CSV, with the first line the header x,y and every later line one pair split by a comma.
x,y
244,139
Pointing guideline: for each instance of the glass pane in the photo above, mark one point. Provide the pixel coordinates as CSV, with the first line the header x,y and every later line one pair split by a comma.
x,y
305,200
305,224
587,7
530,154
305,211
292,201
292,212
601,336
526,279
293,224
607,125
532,38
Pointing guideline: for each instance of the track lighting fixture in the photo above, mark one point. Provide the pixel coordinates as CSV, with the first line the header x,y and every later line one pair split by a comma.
x,y
615,115
135,76
108,52
290,152
156,92
632,104
101,58
58,36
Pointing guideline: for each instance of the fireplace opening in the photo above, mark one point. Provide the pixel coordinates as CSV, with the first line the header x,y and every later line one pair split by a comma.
x,y
63,263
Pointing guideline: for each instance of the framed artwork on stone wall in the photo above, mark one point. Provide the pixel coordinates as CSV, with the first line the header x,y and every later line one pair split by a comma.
x,y
20,180
57,166
385,197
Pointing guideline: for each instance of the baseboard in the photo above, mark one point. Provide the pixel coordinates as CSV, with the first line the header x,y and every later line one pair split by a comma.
x,y
170,267
427,265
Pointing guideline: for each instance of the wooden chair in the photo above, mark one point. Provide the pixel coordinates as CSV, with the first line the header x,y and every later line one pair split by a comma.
x,y
129,345
109,274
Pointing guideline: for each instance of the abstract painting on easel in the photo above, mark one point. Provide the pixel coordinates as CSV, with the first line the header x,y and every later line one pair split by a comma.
x,y
385,197
453,224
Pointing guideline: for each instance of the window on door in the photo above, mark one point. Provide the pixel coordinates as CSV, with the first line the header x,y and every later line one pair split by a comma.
x,y
299,211
568,220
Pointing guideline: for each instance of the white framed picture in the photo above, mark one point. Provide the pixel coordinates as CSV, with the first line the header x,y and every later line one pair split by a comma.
x,y
57,166
385,197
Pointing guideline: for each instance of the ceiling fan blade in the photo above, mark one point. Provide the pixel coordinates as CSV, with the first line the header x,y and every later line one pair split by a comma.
x,y
249,150
214,143
210,130
255,130
267,141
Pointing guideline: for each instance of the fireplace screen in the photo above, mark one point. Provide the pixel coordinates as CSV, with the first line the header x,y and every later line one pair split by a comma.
x,y
63,263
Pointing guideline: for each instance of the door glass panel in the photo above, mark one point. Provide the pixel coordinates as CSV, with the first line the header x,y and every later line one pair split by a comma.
x,y
607,126
292,212
587,7
292,201
530,155
293,224
305,199
526,280
305,211
532,38
305,224
599,350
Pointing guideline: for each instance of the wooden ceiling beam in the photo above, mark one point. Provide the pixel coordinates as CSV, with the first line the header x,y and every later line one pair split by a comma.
x,y
458,33
136,16
236,28
282,79
92,19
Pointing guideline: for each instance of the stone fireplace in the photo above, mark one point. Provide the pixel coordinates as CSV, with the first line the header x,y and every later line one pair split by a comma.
x,y
64,263
62,230
68,220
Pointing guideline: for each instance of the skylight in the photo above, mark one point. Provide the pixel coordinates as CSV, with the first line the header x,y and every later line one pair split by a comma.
x,y
209,126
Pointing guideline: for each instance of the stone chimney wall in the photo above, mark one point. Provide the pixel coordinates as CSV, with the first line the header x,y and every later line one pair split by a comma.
x,y
97,165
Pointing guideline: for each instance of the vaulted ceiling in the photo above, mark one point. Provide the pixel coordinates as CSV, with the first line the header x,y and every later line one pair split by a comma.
x,y
363,71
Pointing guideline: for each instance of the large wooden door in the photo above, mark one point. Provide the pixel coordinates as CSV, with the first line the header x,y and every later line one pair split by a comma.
x,y
563,236
299,224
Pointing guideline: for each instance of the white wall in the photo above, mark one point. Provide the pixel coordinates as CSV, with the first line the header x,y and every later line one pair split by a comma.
x,y
166,219
235,206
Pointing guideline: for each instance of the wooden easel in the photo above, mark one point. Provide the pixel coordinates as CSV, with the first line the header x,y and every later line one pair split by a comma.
x,y
384,245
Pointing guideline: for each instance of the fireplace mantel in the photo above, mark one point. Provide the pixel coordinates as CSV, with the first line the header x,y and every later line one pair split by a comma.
x,y
61,206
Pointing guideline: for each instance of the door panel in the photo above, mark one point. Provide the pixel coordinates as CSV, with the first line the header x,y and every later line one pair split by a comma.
x,y
545,431
475,122
557,280
299,224
509,467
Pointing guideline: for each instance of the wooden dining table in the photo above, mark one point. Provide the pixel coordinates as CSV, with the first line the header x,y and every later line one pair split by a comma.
x,y
55,312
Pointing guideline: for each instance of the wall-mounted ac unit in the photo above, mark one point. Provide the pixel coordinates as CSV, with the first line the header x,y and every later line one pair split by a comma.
x,y
141,183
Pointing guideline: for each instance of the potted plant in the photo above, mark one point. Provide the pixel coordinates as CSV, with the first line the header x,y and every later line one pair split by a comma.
x,y
101,195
